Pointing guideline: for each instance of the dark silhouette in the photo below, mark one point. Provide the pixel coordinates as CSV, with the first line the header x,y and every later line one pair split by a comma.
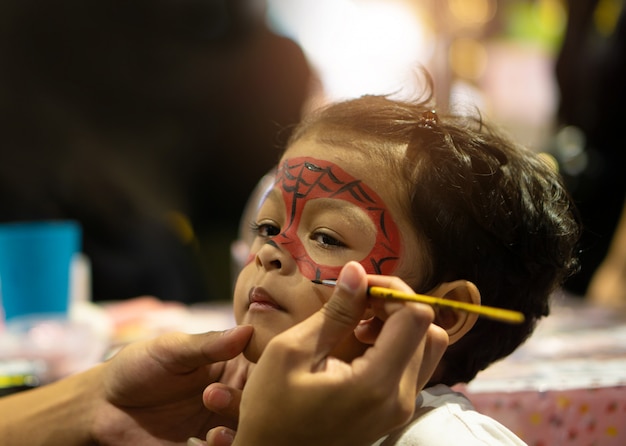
x,y
590,71
116,113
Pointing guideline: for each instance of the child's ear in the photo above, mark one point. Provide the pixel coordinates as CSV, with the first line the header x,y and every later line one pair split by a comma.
x,y
456,323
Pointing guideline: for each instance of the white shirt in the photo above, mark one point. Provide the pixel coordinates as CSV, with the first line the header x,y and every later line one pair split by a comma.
x,y
447,418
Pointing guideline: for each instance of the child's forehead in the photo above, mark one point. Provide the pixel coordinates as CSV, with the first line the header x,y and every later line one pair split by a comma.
x,y
308,177
353,161
359,163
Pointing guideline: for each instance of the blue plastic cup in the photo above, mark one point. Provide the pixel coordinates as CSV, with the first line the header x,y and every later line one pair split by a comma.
x,y
35,266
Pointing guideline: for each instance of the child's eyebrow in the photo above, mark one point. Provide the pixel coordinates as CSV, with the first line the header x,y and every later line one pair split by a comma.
x,y
273,198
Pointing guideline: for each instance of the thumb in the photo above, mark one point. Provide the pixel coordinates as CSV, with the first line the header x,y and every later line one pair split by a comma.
x,y
345,308
180,353
323,331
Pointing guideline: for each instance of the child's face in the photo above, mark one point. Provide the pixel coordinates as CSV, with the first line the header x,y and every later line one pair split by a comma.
x,y
329,205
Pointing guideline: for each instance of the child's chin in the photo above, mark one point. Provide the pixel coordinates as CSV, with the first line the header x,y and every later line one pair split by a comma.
x,y
251,355
255,347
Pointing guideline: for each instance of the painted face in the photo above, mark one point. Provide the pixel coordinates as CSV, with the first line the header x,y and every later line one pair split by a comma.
x,y
303,179
319,214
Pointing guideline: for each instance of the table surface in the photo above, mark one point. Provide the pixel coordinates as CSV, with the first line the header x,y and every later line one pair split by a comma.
x,y
566,384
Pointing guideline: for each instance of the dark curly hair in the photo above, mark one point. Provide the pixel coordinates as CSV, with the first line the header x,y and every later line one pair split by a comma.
x,y
486,210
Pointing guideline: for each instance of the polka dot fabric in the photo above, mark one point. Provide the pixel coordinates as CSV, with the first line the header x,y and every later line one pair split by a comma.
x,y
577,417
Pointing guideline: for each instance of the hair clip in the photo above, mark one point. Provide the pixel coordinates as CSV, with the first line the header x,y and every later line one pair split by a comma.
x,y
428,120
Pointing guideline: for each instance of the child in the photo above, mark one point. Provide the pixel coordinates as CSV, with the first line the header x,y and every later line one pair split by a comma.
x,y
445,203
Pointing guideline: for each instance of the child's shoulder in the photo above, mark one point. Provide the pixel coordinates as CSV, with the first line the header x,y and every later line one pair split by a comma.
x,y
444,417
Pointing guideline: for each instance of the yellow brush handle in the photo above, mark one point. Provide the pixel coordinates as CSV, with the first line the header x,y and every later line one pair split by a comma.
x,y
510,316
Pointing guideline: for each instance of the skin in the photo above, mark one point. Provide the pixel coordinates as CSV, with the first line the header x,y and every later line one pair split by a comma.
x,y
327,346
147,394
348,403
312,237
352,402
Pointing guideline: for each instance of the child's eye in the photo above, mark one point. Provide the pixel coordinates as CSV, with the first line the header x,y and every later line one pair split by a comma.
x,y
327,240
265,230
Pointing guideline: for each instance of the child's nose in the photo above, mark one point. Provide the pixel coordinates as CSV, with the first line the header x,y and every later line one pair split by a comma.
x,y
272,257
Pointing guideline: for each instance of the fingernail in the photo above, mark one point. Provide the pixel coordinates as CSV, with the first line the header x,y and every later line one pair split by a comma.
x,y
349,278
227,436
219,398
231,330
362,326
193,441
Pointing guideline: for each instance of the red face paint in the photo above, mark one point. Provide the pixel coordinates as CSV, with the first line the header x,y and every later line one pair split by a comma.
x,y
302,179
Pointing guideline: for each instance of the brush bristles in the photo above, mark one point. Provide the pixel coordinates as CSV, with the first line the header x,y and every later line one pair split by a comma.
x,y
327,282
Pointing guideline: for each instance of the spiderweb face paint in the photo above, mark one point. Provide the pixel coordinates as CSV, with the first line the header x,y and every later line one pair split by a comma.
x,y
302,179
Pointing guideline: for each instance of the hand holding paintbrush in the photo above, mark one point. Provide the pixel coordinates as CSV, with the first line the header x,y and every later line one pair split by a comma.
x,y
500,314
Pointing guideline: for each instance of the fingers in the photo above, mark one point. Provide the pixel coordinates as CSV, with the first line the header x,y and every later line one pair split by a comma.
x,y
220,436
402,335
319,334
368,330
392,282
345,309
219,346
407,340
181,352
409,355
435,347
222,400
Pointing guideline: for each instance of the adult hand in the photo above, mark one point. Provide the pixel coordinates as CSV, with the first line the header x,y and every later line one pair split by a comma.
x,y
299,395
150,391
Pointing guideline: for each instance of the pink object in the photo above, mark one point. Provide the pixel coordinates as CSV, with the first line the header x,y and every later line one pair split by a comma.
x,y
570,417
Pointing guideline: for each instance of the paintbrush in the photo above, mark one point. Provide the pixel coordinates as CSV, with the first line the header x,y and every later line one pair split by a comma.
x,y
500,314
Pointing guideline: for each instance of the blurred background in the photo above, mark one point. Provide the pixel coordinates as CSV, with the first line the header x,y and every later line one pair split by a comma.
x,y
151,121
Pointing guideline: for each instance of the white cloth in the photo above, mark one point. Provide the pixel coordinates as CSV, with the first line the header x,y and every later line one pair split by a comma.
x,y
447,418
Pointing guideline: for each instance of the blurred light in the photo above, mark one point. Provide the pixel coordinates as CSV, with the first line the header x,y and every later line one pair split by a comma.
x,y
468,58
606,15
358,47
473,12
570,150
551,14
541,21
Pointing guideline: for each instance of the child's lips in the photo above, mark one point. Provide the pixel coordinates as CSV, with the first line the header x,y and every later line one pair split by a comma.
x,y
260,299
